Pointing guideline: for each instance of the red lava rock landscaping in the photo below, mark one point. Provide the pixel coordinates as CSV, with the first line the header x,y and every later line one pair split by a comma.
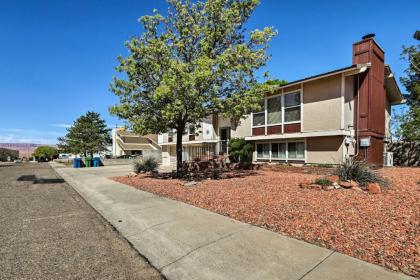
x,y
383,228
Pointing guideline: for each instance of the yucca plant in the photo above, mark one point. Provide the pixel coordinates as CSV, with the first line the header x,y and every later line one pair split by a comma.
x,y
360,172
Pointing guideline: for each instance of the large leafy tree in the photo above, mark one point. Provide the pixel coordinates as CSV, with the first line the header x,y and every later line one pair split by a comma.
x,y
409,123
196,60
45,152
88,135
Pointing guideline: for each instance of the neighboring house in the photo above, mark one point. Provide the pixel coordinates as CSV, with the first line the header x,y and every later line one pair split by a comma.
x,y
210,139
128,143
325,118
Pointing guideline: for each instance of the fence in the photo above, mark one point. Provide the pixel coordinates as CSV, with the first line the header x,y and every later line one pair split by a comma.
x,y
405,153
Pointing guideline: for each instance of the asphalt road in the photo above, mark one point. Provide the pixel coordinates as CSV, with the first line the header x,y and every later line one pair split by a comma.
x,y
47,231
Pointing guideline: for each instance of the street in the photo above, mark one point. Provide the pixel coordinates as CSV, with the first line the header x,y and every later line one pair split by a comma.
x,y
49,232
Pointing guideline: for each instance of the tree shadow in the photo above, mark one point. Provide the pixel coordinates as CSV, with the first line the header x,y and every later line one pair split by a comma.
x,y
35,180
204,175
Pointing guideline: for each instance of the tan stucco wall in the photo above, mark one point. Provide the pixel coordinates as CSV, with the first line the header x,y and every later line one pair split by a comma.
x,y
321,104
324,150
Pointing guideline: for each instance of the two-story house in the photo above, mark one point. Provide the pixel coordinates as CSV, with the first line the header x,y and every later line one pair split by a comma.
x,y
325,118
126,143
209,139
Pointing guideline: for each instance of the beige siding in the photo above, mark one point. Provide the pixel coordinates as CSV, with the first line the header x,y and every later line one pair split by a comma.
x,y
243,129
349,103
387,118
324,150
322,104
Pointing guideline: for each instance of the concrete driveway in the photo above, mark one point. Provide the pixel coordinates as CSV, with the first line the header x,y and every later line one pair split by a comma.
x,y
49,232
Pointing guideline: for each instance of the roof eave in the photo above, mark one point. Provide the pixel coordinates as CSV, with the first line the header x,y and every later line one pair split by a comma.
x,y
356,68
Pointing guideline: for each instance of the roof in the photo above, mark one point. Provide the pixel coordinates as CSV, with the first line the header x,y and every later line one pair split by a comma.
x,y
135,146
325,74
392,89
125,133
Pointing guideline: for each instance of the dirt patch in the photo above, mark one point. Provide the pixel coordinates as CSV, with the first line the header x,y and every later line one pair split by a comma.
x,y
381,229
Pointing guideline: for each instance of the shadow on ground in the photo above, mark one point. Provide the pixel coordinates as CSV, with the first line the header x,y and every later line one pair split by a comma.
x,y
35,180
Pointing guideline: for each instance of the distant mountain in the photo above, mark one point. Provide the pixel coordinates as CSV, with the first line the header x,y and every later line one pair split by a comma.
x,y
25,149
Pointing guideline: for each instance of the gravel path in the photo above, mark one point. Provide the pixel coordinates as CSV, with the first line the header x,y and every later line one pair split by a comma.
x,y
383,229
49,232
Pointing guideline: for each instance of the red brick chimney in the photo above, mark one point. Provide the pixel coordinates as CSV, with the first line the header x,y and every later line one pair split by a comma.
x,y
370,99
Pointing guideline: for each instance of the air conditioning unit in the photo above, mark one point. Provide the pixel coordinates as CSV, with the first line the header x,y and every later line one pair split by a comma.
x,y
388,159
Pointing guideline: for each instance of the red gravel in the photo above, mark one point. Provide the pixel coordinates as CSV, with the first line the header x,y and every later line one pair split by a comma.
x,y
382,229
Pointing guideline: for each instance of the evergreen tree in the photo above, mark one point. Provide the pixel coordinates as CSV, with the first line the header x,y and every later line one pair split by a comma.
x,y
88,135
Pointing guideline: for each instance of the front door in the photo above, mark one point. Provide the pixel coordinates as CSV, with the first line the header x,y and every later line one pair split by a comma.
x,y
224,138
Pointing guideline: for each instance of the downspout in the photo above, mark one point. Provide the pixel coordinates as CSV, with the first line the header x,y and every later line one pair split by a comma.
x,y
357,116
362,70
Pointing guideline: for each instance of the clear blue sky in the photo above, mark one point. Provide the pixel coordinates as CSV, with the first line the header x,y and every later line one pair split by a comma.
x,y
57,57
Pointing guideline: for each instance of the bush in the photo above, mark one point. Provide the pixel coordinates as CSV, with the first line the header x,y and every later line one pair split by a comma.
x,y
149,164
240,150
323,182
360,172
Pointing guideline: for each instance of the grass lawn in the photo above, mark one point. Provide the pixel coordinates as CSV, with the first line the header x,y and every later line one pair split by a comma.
x,y
383,229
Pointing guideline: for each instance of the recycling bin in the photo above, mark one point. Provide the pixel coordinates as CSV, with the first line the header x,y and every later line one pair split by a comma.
x,y
96,162
76,163
88,161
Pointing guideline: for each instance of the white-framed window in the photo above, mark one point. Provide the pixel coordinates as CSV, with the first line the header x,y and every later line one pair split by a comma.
x,y
296,150
278,150
285,150
292,107
258,118
279,109
274,110
263,151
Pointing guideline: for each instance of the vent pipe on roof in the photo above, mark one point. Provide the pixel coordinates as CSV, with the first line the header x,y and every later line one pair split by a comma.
x,y
367,36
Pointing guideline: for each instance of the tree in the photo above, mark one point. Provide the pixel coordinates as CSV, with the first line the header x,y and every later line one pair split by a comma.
x,y
7,154
45,152
240,150
276,82
409,123
196,61
88,135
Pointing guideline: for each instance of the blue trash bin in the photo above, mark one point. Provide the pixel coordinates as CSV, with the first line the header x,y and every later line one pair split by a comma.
x,y
76,163
96,162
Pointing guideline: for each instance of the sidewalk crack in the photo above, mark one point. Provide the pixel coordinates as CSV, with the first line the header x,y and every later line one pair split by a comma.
x,y
318,264
202,246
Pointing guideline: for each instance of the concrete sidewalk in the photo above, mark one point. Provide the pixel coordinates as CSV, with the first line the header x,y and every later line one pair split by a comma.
x,y
186,242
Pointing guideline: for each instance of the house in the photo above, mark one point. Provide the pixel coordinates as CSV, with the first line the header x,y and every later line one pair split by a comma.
x,y
208,140
324,119
126,143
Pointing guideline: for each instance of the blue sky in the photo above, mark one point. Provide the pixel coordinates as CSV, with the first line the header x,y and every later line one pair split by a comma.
x,y
57,57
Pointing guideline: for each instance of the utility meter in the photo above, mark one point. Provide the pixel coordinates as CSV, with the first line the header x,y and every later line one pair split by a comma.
x,y
365,142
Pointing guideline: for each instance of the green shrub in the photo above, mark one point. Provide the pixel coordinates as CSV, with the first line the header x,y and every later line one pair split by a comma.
x,y
240,150
138,166
148,164
323,182
360,172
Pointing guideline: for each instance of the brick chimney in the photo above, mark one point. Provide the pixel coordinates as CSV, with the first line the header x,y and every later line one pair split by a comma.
x,y
370,99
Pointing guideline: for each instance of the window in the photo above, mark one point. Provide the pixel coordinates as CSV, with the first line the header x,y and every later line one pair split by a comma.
x,y
258,118
191,130
274,110
292,107
170,136
296,150
278,150
263,151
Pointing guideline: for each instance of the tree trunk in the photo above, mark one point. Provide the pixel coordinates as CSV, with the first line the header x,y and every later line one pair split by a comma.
x,y
179,153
